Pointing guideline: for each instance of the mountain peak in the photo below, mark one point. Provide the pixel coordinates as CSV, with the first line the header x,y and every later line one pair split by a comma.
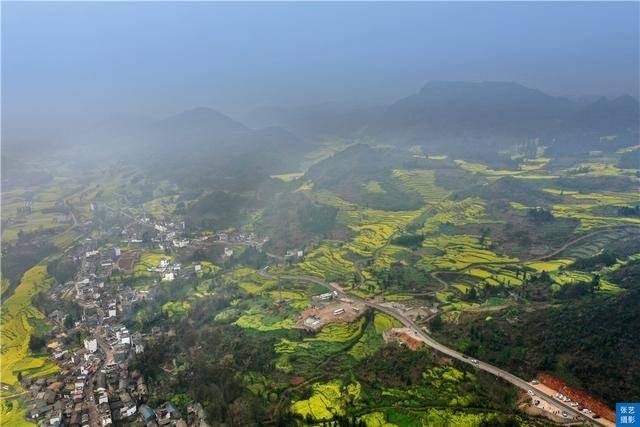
x,y
204,118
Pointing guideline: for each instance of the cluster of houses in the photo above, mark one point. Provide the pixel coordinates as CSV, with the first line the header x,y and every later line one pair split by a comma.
x,y
167,269
58,399
293,255
144,229
94,386
117,394
249,239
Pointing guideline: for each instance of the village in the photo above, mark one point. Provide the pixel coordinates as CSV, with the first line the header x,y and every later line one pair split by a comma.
x,y
95,385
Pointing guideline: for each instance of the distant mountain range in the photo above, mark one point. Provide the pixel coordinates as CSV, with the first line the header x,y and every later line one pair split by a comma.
x,y
461,112
445,116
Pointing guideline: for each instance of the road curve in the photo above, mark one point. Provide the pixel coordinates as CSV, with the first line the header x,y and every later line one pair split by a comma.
x,y
494,370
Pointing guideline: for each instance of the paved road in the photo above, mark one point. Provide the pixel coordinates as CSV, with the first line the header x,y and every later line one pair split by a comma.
x,y
90,401
516,381
586,236
104,346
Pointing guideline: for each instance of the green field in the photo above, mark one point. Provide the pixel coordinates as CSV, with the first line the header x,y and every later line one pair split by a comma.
x,y
421,182
458,252
456,213
18,315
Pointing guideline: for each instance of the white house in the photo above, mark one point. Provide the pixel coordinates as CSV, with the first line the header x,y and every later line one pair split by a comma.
x,y
312,322
127,411
228,252
167,277
180,243
91,345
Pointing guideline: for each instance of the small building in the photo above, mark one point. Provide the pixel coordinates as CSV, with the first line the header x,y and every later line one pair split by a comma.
x,y
91,345
180,243
312,322
147,413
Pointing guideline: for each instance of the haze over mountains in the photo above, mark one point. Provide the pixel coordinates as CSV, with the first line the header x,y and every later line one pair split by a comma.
x,y
462,111
440,116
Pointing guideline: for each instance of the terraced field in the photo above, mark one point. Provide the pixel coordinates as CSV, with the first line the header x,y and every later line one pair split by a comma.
x,y
599,168
588,208
458,251
456,213
257,320
532,169
388,255
549,266
15,331
421,182
16,328
250,281
498,275
479,168
439,398
299,357
373,228
594,244
327,261
327,401
12,413
588,219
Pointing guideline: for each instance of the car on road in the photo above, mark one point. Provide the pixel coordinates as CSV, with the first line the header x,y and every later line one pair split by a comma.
x,y
564,414
535,382
531,393
475,361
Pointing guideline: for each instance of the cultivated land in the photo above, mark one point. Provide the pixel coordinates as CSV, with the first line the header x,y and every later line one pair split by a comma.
x,y
275,312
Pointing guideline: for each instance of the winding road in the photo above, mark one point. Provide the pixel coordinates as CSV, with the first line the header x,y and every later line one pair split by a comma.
x,y
428,340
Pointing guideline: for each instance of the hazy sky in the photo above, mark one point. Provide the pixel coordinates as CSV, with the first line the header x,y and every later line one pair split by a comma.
x,y
72,61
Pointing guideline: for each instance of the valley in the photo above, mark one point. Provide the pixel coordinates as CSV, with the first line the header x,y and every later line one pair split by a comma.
x,y
376,286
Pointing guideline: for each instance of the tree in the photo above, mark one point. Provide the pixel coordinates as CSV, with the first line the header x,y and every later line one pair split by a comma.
x,y
36,343
484,233
69,322
472,294
437,324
